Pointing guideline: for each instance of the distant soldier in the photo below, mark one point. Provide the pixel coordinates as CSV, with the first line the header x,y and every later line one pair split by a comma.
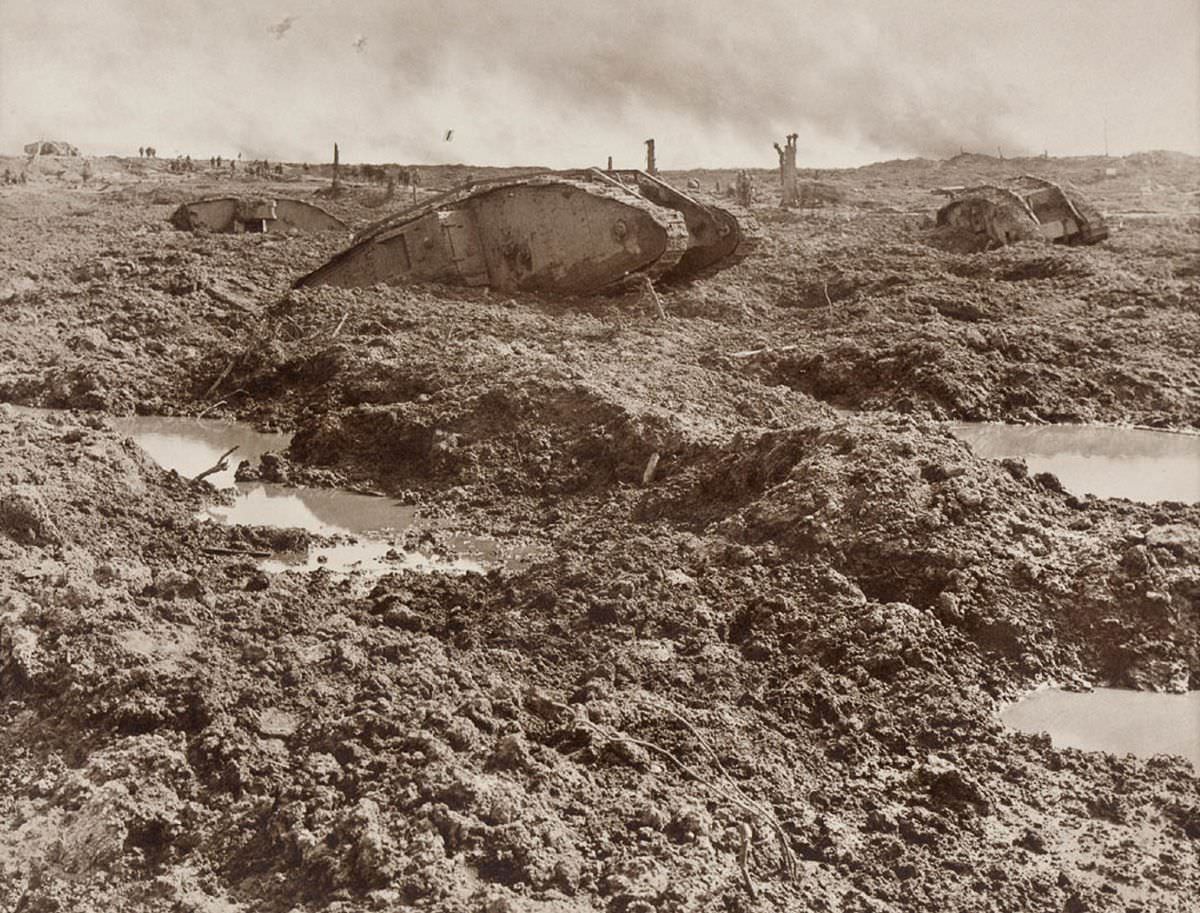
x,y
141,152
232,166
218,161
87,170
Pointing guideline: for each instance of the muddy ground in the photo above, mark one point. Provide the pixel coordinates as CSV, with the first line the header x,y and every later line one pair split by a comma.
x,y
763,677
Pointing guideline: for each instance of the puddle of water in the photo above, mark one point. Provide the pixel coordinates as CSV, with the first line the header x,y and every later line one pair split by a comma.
x,y
190,446
328,512
370,556
1107,462
1115,720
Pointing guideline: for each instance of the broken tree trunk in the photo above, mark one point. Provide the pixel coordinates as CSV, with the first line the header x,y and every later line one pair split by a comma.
x,y
220,466
335,168
745,189
651,165
787,172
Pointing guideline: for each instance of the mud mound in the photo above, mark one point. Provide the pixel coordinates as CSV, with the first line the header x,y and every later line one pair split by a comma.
x,y
913,517
555,436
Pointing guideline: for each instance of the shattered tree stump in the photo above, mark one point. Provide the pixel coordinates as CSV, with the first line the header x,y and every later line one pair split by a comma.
x,y
790,191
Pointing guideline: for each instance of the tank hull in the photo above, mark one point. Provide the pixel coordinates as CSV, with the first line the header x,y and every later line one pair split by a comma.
x,y
254,215
1028,208
572,233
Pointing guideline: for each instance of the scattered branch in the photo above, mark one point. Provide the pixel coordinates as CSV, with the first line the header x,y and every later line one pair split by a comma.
x,y
743,855
788,858
651,468
209,408
750,353
220,466
649,287
220,377
248,552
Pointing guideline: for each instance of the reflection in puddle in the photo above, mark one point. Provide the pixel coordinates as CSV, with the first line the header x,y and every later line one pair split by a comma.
x,y
371,556
1114,720
189,446
1107,462
322,511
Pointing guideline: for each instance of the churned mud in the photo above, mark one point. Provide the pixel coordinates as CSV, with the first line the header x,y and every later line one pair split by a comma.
x,y
767,607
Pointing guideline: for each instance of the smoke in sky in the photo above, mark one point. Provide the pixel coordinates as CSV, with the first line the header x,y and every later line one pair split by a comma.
x,y
565,83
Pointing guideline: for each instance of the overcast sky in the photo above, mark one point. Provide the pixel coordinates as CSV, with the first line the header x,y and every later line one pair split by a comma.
x,y
568,83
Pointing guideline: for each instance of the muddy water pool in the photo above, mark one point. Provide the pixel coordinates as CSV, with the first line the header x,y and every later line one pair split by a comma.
x,y
1114,720
189,446
1132,463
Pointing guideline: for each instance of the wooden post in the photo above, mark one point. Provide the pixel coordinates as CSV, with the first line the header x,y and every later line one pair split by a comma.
x,y
651,166
610,163
335,168
745,189
787,172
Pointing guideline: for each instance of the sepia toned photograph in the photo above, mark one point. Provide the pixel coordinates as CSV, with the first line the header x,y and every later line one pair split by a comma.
x,y
515,456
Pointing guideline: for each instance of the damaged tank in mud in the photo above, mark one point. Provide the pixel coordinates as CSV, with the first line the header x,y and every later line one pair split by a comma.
x,y
1026,208
254,215
569,232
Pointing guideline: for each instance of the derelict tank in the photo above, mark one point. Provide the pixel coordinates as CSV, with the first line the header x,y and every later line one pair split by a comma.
x,y
569,232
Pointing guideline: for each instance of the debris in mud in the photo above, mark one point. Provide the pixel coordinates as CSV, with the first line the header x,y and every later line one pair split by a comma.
x,y
254,215
1024,209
